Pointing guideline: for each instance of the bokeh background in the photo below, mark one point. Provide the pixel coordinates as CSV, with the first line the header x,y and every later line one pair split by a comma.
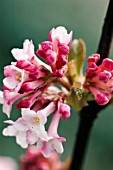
x,y
33,19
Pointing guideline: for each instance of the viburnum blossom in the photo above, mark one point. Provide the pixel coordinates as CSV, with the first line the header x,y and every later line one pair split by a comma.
x,y
54,141
99,79
37,98
30,127
33,159
7,163
41,89
55,51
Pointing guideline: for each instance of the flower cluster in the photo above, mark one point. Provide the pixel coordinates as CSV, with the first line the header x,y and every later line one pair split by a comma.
x,y
99,79
34,160
55,50
32,85
43,89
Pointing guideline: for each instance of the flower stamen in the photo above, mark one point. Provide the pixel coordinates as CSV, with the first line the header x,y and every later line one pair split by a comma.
x,y
37,120
19,77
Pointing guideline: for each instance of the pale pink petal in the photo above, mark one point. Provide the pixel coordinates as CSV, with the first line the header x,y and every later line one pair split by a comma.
x,y
9,131
39,144
19,54
10,82
60,33
1,97
9,99
21,139
47,149
58,146
7,109
9,122
20,125
28,114
26,45
42,133
31,137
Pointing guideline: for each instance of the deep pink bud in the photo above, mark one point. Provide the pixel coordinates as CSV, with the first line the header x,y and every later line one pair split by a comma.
x,y
104,76
64,110
50,57
92,68
35,73
24,103
30,86
23,64
63,49
58,73
94,58
62,60
107,64
41,53
100,97
46,45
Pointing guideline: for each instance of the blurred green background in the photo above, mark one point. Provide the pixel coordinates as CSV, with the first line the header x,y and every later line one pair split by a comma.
x,y
33,19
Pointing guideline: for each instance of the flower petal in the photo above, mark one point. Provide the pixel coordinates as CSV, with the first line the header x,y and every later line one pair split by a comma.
x,y
58,146
21,139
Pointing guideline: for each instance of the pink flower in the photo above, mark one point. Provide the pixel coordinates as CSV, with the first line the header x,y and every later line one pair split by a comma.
x,y
26,53
64,110
30,127
18,131
33,159
28,101
30,83
56,50
14,77
26,56
7,99
54,140
60,34
99,79
7,163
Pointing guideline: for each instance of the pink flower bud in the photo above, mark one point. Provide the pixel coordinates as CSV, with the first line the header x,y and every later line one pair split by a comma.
x,y
64,110
23,64
100,97
31,86
107,64
51,57
34,158
60,34
41,53
62,60
104,76
93,59
92,68
63,49
46,45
